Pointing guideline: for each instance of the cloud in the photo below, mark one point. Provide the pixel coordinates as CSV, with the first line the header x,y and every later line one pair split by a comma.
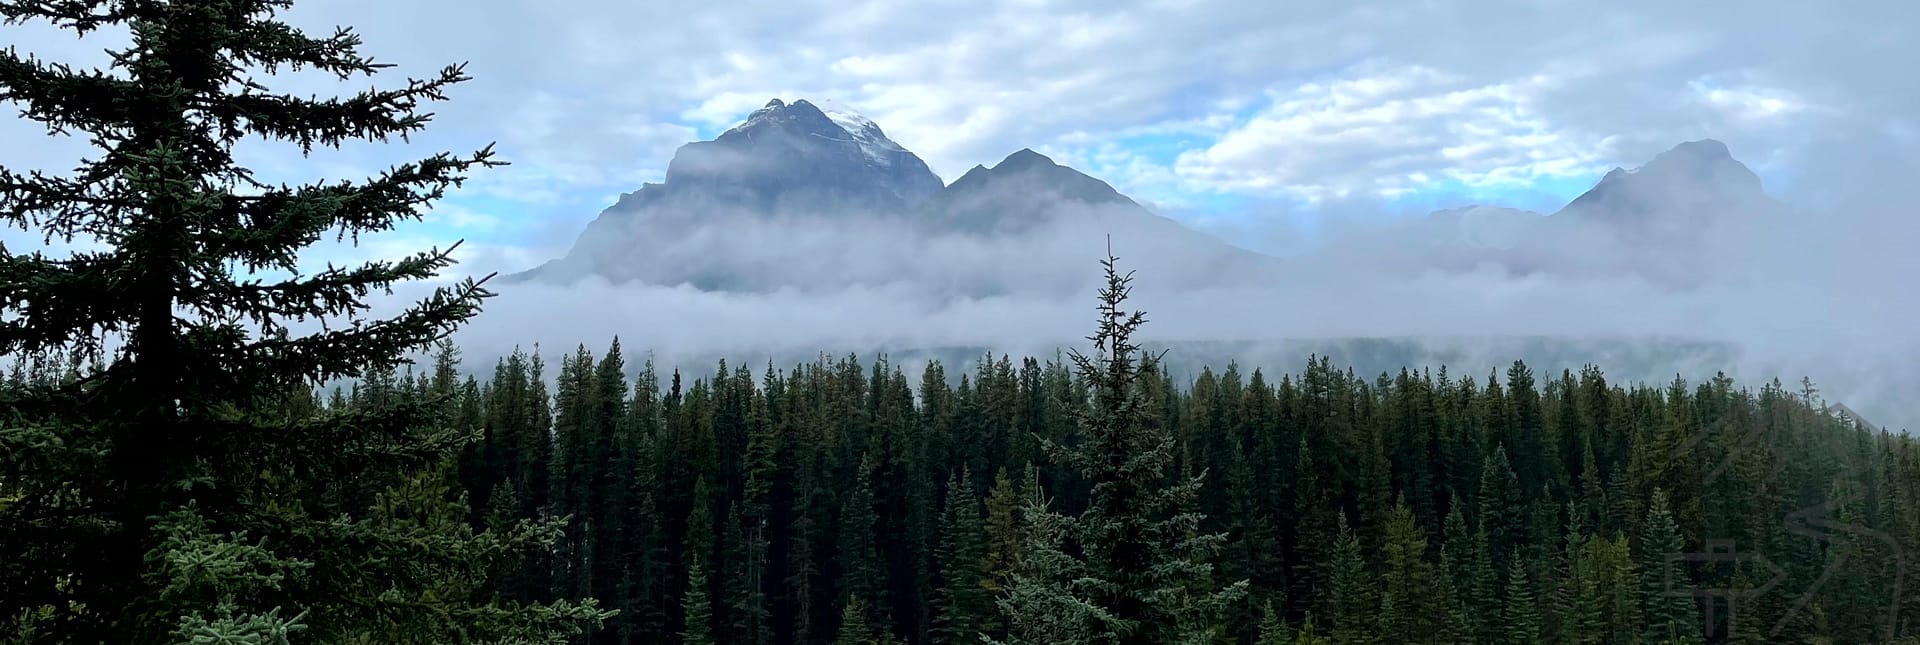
x,y
592,100
1760,295
1777,309
1384,132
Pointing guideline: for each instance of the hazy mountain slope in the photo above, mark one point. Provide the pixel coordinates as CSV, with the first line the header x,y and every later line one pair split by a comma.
x,y
802,198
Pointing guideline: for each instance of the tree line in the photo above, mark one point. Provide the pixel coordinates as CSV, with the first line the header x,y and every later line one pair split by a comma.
x,y
836,501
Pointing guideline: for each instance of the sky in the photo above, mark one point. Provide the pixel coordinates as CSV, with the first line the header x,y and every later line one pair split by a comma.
x,y
1256,121
1267,124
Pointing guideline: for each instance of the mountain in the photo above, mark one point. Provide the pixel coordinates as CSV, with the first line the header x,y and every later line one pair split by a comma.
x,y
800,197
1692,182
808,198
797,155
1656,222
1016,192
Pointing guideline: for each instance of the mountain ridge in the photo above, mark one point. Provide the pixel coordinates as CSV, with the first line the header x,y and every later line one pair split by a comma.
x,y
804,172
808,169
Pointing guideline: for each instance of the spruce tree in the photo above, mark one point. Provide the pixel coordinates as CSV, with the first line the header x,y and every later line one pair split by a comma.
x,y
854,629
863,575
1667,616
1455,573
1410,583
1521,616
190,496
697,606
1273,629
1253,549
697,554
1503,511
1306,635
1145,566
1350,592
1486,591
961,603
1003,531
1313,530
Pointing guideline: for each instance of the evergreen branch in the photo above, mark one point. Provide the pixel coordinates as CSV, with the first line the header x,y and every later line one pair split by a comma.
x,y
61,98
333,354
68,303
285,217
273,44
82,16
335,291
58,206
372,114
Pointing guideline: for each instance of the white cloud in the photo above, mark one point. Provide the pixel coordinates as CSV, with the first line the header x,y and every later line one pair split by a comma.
x,y
594,98
1749,104
1386,130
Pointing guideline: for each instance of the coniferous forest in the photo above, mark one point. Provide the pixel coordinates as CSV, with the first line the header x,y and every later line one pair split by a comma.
x,y
215,475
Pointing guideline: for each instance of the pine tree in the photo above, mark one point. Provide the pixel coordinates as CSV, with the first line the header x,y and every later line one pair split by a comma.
x,y
1144,566
1667,617
747,566
1503,516
1306,636
1461,601
1253,548
960,604
1410,584
854,628
1521,616
1273,628
863,572
1003,531
1351,593
1486,591
215,504
696,606
1314,530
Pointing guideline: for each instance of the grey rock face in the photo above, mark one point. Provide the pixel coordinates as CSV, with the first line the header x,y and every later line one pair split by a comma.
x,y
1693,181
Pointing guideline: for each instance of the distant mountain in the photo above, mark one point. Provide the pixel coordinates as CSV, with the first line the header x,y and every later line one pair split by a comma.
x,y
797,155
802,197
1652,221
1692,181
1022,188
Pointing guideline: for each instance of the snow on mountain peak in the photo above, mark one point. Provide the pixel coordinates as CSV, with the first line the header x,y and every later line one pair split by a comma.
x,y
853,122
862,131
854,127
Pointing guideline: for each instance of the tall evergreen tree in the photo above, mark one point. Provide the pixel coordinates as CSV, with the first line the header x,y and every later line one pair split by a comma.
x,y
863,572
1521,615
1144,571
961,604
1351,593
1457,554
1503,511
1004,539
196,498
1417,613
697,606
1313,530
1668,617
1273,629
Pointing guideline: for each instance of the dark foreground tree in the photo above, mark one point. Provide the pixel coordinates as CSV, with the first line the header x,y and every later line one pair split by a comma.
x,y
1133,567
188,488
